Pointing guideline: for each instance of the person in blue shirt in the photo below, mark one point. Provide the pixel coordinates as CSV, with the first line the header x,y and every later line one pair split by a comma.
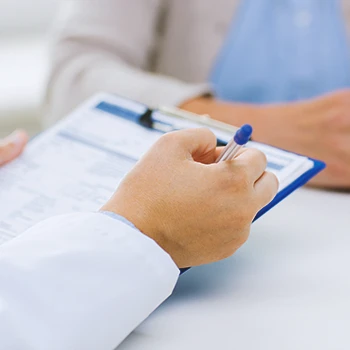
x,y
281,65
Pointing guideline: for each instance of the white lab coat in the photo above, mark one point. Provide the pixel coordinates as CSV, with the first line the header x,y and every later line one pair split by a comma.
x,y
80,281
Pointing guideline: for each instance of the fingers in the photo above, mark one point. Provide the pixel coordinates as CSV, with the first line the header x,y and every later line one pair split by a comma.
x,y
194,144
218,152
254,161
12,146
251,163
266,188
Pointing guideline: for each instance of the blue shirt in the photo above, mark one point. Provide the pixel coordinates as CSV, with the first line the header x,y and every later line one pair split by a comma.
x,y
283,50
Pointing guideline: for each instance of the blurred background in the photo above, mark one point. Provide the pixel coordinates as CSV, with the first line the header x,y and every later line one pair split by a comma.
x,y
24,48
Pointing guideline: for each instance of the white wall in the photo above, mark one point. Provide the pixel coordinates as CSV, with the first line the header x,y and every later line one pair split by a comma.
x,y
24,26
21,15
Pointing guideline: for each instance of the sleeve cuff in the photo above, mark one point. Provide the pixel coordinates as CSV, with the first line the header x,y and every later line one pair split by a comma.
x,y
124,221
130,224
119,218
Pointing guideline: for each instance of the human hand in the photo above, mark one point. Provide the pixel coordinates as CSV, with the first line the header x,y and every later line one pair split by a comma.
x,y
318,128
12,146
197,211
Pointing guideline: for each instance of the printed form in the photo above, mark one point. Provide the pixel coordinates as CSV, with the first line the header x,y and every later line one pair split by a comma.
x,y
77,165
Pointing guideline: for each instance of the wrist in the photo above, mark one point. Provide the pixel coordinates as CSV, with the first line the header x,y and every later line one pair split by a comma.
x,y
279,125
235,114
147,224
198,105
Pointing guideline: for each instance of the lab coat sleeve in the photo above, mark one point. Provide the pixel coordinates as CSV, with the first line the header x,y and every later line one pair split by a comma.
x,y
80,281
106,46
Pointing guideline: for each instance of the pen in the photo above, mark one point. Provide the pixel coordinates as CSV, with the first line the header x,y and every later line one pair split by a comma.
x,y
241,137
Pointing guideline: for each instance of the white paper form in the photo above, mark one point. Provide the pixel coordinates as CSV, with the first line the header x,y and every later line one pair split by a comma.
x,y
285,165
77,165
74,167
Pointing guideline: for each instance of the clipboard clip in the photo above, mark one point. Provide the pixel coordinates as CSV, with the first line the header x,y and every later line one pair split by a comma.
x,y
167,119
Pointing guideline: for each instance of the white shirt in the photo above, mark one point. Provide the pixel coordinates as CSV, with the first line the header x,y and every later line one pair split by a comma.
x,y
80,281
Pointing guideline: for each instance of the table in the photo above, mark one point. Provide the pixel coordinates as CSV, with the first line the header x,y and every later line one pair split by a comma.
x,y
287,288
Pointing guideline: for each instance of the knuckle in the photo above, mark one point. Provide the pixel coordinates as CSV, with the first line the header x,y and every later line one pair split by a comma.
x,y
206,132
258,156
169,140
274,182
238,177
270,186
263,158
169,137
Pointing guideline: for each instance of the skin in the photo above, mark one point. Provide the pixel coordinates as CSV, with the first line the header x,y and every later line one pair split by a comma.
x,y
12,146
318,128
197,211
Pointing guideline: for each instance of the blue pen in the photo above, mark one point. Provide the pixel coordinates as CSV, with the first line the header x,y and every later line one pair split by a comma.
x,y
241,138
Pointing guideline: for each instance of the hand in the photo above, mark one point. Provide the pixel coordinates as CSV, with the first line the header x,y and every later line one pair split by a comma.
x,y
12,146
197,211
318,128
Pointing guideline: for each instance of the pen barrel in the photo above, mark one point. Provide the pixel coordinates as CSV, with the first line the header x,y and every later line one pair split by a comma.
x,y
229,152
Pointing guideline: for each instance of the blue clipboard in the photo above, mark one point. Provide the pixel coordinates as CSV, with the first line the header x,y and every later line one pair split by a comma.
x,y
146,120
299,182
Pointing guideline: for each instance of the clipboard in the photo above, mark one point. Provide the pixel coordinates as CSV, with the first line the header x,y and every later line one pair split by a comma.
x,y
167,119
105,137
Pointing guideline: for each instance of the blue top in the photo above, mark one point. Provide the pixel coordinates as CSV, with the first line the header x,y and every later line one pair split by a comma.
x,y
283,50
243,135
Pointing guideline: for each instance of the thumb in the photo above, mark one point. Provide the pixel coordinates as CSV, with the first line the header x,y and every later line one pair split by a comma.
x,y
12,146
196,144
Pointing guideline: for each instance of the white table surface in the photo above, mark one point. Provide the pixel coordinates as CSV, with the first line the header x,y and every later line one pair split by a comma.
x,y
287,288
